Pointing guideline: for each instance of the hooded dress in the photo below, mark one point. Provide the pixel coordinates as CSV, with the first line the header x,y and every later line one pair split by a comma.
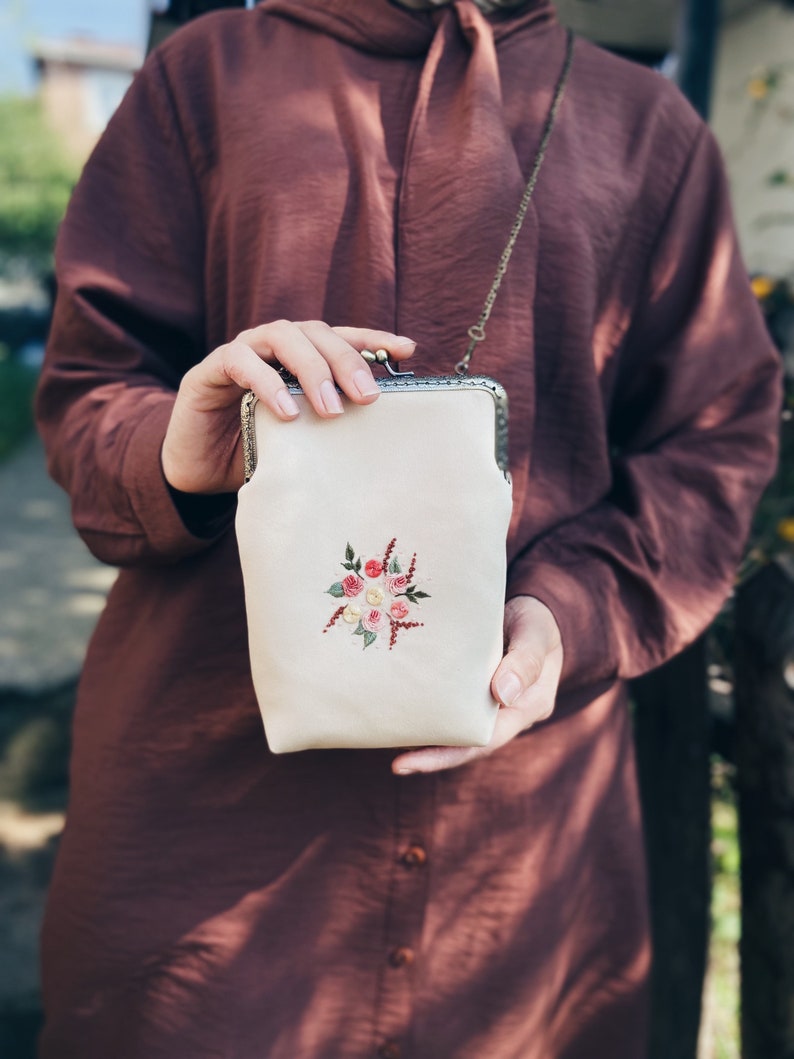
x,y
351,161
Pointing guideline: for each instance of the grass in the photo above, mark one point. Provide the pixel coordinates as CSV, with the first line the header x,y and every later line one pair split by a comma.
x,y
17,384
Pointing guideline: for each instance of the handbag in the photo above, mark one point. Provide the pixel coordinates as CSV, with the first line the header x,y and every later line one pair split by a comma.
x,y
375,593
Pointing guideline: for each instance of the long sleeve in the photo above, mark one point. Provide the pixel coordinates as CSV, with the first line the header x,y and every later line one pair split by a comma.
x,y
128,323
693,432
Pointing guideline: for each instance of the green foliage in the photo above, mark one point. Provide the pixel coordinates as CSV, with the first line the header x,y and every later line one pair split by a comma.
x,y
17,383
721,1002
773,527
35,182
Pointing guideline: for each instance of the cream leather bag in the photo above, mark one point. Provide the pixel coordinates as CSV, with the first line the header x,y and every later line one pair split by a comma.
x,y
373,554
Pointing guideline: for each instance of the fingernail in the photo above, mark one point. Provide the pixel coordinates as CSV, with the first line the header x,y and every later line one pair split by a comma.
x,y
330,398
404,343
365,384
406,772
287,403
508,688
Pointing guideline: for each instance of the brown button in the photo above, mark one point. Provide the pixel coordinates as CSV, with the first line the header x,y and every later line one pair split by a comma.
x,y
389,1050
414,857
401,957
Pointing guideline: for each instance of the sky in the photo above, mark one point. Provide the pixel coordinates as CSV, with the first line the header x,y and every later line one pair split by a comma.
x,y
119,21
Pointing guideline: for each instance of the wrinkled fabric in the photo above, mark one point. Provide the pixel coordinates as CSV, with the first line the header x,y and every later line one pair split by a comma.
x,y
361,163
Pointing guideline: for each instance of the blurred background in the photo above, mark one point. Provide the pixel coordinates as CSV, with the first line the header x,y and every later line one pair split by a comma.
x,y
714,728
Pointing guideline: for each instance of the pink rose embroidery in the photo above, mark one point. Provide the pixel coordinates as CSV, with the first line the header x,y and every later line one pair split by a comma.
x,y
396,583
389,617
374,620
352,585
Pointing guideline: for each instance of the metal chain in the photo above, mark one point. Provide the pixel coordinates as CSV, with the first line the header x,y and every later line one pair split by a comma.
x,y
476,333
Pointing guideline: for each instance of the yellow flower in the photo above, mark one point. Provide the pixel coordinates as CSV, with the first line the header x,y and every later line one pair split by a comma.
x,y
374,597
785,529
351,614
762,286
758,88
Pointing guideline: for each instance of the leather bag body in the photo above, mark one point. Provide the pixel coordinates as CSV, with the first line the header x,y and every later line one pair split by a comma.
x,y
373,556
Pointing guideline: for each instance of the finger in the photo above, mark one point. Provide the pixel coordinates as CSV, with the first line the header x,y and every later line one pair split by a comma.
x,y
509,722
272,391
536,704
236,367
397,346
534,659
349,369
286,342
436,759
531,633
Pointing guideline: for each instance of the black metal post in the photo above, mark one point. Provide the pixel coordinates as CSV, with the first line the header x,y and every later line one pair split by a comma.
x,y
696,48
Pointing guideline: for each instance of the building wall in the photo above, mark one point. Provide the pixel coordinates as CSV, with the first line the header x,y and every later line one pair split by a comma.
x,y
79,102
753,118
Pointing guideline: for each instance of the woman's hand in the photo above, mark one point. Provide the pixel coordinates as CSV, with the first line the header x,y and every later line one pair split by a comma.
x,y
202,450
525,685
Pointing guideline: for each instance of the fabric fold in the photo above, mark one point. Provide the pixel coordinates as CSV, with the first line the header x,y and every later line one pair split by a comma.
x,y
387,28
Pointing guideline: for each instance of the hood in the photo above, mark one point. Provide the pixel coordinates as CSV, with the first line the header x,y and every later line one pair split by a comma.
x,y
383,27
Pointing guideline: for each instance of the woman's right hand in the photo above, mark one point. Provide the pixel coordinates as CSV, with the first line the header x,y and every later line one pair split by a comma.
x,y
202,450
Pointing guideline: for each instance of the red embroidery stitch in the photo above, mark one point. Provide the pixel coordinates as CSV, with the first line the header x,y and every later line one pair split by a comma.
x,y
337,614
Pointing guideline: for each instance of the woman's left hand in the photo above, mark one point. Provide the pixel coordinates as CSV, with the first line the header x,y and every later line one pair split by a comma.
x,y
525,685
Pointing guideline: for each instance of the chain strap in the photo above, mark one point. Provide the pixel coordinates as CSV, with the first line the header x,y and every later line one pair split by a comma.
x,y
476,333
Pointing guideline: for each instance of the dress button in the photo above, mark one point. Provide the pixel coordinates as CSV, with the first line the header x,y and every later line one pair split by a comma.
x,y
414,857
401,957
389,1050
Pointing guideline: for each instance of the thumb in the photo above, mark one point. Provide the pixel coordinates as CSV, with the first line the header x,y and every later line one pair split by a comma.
x,y
531,633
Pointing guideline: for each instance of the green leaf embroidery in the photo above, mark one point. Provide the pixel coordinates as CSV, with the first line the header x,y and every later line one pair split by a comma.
x,y
369,638
359,630
394,566
357,567
349,553
348,566
336,590
422,595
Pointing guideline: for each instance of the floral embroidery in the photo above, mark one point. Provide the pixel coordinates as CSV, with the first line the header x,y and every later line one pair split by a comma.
x,y
352,585
397,584
387,600
374,620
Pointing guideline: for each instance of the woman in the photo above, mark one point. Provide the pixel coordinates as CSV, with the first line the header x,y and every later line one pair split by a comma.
x,y
359,163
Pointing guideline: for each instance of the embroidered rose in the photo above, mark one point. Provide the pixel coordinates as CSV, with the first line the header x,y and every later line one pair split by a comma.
x,y
352,585
382,613
374,620
396,583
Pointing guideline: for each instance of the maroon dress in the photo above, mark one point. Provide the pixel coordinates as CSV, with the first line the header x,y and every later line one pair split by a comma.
x,y
354,162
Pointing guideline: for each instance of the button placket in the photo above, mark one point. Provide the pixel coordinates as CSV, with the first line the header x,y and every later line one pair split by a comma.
x,y
401,957
414,857
389,1050
414,811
